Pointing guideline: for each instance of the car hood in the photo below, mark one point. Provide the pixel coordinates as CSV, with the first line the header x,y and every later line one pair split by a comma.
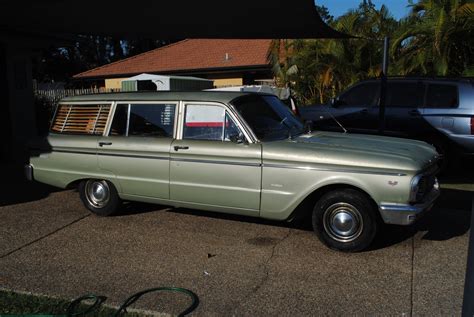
x,y
352,150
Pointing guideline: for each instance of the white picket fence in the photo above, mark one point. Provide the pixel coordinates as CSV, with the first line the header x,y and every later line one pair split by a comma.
x,y
54,95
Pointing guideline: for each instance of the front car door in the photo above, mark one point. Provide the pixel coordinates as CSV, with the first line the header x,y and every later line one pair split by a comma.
x,y
213,163
136,149
355,108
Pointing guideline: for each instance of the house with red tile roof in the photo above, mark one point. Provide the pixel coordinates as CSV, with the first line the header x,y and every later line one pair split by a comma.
x,y
227,62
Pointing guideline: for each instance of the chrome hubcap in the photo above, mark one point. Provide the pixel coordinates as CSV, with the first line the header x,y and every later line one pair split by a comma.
x,y
343,222
97,193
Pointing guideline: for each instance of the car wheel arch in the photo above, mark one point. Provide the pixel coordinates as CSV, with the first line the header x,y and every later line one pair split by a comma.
x,y
74,184
305,207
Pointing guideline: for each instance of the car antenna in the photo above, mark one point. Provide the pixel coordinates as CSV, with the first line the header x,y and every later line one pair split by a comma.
x,y
334,118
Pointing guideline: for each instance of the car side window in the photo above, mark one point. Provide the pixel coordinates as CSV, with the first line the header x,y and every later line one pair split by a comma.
x,y
360,95
442,96
405,95
119,123
208,122
155,120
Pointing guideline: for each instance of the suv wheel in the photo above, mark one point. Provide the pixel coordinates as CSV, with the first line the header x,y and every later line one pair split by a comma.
x,y
99,196
345,220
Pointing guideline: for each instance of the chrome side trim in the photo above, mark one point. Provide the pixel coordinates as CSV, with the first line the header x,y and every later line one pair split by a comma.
x,y
216,162
136,156
342,170
114,154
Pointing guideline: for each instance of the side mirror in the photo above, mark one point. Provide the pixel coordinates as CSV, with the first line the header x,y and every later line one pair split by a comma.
x,y
335,102
308,126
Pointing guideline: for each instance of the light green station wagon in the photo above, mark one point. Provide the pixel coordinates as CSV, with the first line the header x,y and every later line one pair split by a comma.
x,y
234,152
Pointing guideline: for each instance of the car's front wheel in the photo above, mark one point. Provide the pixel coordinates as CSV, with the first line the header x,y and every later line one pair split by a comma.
x,y
345,220
99,196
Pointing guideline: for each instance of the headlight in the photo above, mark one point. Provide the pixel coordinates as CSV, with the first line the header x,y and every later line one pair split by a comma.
x,y
421,185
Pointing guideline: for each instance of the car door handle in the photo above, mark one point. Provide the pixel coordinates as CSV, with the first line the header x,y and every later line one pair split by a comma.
x,y
177,147
414,113
105,143
364,111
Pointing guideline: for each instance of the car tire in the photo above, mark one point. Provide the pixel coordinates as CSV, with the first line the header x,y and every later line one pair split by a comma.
x,y
100,197
345,220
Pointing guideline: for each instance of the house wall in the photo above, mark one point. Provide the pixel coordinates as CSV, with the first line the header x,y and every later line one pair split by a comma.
x,y
223,82
114,83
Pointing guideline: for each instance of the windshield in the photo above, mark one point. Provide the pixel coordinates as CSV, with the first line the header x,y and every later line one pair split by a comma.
x,y
268,117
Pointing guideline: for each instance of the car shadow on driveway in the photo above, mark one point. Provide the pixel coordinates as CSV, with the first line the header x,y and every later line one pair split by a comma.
x,y
17,189
449,218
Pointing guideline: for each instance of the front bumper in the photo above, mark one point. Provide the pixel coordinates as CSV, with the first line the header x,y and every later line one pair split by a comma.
x,y
28,168
407,214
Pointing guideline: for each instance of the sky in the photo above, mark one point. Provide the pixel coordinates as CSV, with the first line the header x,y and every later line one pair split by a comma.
x,y
398,8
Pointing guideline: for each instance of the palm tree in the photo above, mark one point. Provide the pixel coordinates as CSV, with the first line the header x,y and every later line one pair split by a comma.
x,y
325,67
437,38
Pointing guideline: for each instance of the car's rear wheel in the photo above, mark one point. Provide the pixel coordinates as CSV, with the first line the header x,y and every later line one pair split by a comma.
x,y
345,220
99,196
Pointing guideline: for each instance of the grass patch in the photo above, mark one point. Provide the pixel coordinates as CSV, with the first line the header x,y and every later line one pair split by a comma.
x,y
12,303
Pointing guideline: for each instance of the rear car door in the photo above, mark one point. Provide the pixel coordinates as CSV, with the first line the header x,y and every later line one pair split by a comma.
x,y
403,114
136,149
210,163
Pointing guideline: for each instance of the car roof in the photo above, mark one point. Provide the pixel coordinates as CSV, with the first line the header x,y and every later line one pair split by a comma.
x,y
216,96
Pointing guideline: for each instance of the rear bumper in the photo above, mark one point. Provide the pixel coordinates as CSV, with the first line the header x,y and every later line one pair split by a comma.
x,y
407,214
28,169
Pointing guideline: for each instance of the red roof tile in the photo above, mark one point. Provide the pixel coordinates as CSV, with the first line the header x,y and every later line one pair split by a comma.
x,y
190,54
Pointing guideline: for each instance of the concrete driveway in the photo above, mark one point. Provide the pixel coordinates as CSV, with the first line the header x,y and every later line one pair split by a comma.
x,y
50,244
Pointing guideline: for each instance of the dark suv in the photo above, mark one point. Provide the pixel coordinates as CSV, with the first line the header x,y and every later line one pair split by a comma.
x,y
438,111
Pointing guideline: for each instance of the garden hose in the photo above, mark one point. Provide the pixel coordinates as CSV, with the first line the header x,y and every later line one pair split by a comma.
x,y
72,308
98,300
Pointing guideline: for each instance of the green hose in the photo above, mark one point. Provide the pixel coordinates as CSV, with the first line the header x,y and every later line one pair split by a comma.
x,y
98,300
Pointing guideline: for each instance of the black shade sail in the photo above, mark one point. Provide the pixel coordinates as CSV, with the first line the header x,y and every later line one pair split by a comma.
x,y
167,19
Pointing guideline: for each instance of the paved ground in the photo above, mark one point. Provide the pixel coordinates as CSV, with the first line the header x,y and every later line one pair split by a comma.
x,y
49,244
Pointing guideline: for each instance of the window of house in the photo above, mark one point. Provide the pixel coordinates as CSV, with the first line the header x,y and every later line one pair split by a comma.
x,y
155,120
442,96
208,122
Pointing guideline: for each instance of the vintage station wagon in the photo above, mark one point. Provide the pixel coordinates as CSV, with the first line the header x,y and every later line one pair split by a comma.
x,y
234,152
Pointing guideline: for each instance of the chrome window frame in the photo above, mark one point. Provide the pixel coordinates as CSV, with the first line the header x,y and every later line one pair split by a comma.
x,y
228,110
130,104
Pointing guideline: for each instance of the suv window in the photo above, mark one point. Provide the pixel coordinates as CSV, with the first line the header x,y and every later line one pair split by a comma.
x,y
441,96
143,120
405,95
360,95
208,122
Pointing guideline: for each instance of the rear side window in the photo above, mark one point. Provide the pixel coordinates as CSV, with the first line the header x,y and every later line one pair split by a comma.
x,y
155,120
405,95
441,96
81,119
360,95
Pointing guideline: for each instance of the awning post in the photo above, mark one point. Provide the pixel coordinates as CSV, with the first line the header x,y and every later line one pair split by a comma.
x,y
383,86
468,301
